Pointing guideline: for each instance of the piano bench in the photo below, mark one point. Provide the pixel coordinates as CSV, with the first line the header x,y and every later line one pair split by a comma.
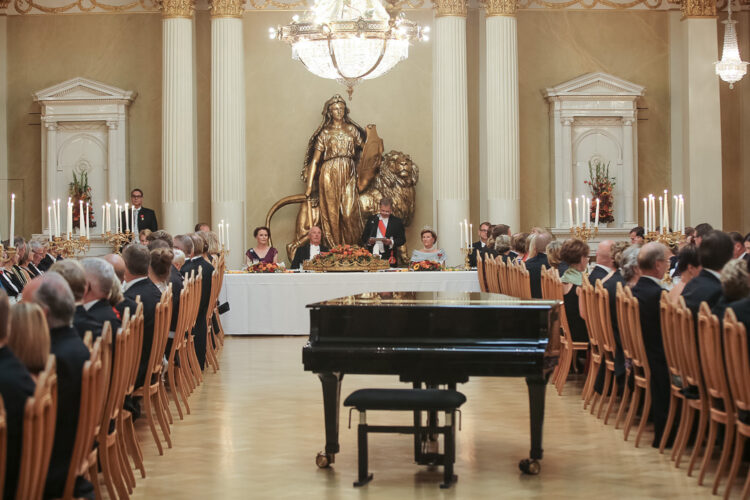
x,y
417,401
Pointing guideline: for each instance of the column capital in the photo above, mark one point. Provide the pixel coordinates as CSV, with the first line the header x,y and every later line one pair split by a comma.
x,y
227,8
176,9
567,121
698,8
51,125
494,8
456,8
628,122
112,124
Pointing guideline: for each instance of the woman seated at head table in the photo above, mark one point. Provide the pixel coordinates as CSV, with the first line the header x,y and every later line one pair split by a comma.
x,y
430,251
688,267
262,252
29,336
575,253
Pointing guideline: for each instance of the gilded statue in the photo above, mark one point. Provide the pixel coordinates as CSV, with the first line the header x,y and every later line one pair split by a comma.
x,y
345,174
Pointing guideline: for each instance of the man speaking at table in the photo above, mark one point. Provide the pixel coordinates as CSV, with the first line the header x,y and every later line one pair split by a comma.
x,y
384,233
309,249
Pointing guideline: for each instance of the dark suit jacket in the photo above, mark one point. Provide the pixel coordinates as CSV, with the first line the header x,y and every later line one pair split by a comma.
x,y
742,311
176,279
125,303
146,219
477,248
79,319
7,284
150,297
16,386
394,229
33,270
303,253
70,356
611,286
598,273
534,267
95,318
188,266
46,263
208,270
706,287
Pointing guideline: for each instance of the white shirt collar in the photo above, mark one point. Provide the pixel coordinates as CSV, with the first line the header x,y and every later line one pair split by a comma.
x,y
655,280
90,304
482,243
196,258
604,267
717,275
128,284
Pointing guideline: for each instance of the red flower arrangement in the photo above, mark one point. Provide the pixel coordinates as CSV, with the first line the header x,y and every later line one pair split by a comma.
x,y
79,190
264,267
426,265
602,186
348,253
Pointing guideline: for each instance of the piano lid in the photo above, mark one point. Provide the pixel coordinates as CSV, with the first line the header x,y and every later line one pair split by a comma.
x,y
435,299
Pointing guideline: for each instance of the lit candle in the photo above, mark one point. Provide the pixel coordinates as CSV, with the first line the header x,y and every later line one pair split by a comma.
x,y
221,233
117,217
682,214
12,219
58,226
49,220
661,213
133,224
466,229
588,212
127,220
666,216
578,213
596,224
104,218
81,228
570,212
69,222
226,228
88,226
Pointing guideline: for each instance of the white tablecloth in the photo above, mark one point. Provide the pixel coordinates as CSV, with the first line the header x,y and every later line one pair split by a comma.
x,y
274,304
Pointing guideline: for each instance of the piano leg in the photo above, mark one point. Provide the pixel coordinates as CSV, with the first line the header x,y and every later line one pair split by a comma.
x,y
537,387
331,383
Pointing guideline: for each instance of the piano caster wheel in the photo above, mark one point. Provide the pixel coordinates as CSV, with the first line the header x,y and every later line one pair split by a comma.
x,y
530,466
323,460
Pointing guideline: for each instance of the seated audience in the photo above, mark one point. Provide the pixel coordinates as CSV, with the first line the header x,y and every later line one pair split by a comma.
x,y
636,235
29,337
553,256
495,232
631,273
143,236
262,251
16,385
653,261
9,274
310,249
746,255
22,257
162,239
715,250
137,284
160,267
214,246
481,244
502,248
55,297
534,264
47,260
575,253
518,245
604,264
739,244
200,330
73,273
202,226
100,279
117,264
735,285
184,243
688,267
179,259
429,250
37,254
701,231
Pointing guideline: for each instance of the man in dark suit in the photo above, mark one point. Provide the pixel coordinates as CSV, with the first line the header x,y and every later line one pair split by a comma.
x,y
478,246
309,249
55,297
534,264
604,262
739,245
38,253
746,255
185,243
7,284
200,331
16,386
716,249
384,233
145,218
100,277
742,311
653,260
137,283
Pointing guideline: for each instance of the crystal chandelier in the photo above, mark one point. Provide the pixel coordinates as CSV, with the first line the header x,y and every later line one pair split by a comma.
x,y
350,40
731,68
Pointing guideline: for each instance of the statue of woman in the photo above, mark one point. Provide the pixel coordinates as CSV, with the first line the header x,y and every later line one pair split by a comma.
x,y
331,165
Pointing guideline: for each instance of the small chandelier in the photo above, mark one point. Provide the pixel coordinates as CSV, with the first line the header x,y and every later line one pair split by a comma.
x,y
731,68
350,40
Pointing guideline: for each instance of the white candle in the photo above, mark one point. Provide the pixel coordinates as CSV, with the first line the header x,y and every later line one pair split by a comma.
x,y
596,224
49,220
466,229
471,232
12,219
578,213
666,215
221,234
81,228
134,223
88,225
58,226
69,221
104,218
127,220
588,212
226,228
570,212
661,213
682,214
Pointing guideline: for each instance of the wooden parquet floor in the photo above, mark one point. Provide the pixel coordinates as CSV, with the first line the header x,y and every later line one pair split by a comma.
x,y
257,425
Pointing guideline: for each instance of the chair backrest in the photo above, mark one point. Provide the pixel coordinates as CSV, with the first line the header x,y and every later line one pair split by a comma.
x,y
214,297
524,281
480,273
712,361
197,293
183,316
492,274
163,316
736,359
118,378
499,275
636,336
134,347
38,434
670,320
604,317
556,293
588,299
686,341
3,443
623,320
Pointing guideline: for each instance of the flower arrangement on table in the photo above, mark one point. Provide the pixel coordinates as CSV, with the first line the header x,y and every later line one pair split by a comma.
x,y
426,265
602,187
265,267
345,258
79,190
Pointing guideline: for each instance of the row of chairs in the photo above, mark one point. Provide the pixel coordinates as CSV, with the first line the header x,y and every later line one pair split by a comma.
x,y
507,277
108,382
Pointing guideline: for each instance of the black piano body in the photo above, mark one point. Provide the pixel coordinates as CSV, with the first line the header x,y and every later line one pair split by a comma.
x,y
433,338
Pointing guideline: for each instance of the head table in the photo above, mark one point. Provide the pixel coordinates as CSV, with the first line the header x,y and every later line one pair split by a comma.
x,y
275,303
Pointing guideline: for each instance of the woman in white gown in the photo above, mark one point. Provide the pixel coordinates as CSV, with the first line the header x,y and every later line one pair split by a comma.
x,y
430,251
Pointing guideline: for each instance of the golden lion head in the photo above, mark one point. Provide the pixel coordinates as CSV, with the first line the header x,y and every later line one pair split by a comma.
x,y
400,168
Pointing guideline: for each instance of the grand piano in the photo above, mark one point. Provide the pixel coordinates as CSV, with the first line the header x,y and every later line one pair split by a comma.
x,y
433,338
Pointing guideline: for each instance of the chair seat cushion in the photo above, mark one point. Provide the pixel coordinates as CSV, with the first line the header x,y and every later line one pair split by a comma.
x,y
405,399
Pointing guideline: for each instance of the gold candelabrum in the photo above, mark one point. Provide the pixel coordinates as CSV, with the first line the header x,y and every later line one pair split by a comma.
x,y
584,233
67,247
118,240
668,238
467,253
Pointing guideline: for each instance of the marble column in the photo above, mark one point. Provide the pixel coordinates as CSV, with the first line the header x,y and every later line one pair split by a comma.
x,y
629,153
502,189
567,174
178,133
4,188
51,150
450,149
228,124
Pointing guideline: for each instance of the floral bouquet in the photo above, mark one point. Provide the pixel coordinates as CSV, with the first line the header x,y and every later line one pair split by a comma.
x,y
425,265
264,267
345,258
79,190
602,186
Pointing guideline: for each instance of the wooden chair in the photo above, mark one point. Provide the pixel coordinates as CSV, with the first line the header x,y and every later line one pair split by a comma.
x,y
211,358
191,356
500,276
608,348
38,434
738,376
176,361
92,457
126,430
692,382
150,391
494,274
524,282
480,273
3,443
588,301
672,351
720,403
222,267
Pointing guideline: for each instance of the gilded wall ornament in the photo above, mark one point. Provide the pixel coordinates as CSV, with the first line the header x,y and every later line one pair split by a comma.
x,y
450,8
698,8
591,4
171,9
500,7
25,6
227,8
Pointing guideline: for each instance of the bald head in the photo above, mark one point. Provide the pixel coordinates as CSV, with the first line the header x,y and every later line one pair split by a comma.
x,y
117,263
604,253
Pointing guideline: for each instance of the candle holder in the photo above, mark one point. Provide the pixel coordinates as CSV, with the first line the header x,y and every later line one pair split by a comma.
x,y
467,253
584,233
665,237
118,240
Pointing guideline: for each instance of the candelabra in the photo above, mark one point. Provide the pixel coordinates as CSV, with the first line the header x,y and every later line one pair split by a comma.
x,y
118,240
467,254
584,233
70,246
669,238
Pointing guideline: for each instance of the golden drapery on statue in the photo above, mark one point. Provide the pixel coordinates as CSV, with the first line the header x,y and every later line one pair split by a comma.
x,y
346,174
